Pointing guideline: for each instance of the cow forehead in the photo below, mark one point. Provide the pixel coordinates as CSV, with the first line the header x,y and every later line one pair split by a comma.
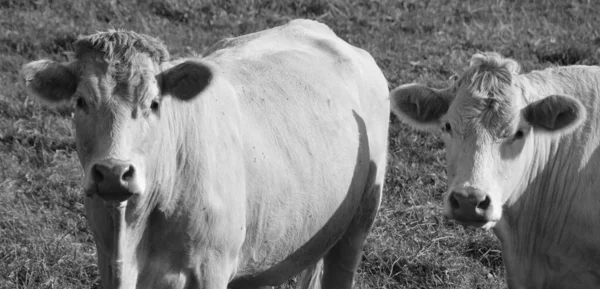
x,y
487,96
94,63
119,46
131,82
471,113
121,60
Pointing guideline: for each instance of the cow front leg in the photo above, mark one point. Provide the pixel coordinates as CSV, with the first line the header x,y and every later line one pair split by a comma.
x,y
214,272
342,260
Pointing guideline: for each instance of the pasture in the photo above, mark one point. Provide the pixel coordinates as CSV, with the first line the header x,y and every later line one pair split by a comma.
x,y
44,239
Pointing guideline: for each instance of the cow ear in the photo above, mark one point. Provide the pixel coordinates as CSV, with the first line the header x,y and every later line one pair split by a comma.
x,y
49,80
419,106
185,80
555,113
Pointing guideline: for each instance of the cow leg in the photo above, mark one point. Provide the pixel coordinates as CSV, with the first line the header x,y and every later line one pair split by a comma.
x,y
214,281
213,273
342,260
311,277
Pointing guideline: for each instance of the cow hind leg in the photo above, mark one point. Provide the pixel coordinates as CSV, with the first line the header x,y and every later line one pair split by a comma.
x,y
342,260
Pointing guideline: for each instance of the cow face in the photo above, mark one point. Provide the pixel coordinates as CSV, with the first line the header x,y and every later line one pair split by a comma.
x,y
118,93
488,126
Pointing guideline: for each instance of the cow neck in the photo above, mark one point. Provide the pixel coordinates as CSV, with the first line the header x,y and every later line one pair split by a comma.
x,y
130,242
540,230
168,155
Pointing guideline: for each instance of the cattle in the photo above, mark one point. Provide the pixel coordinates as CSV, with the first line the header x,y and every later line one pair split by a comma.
x,y
259,161
522,158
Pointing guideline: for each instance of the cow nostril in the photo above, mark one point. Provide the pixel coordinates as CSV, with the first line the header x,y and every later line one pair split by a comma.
x,y
97,174
453,201
128,174
484,204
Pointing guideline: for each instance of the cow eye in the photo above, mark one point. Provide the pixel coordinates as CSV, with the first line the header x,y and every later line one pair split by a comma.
x,y
519,134
447,128
80,103
154,105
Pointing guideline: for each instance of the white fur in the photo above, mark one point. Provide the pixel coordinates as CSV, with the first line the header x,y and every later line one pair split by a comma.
x,y
254,179
544,187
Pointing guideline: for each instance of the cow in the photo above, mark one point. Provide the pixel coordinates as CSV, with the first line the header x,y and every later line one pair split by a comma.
x,y
523,158
262,160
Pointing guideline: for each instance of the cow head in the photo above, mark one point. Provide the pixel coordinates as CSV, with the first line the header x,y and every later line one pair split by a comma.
x,y
488,126
119,87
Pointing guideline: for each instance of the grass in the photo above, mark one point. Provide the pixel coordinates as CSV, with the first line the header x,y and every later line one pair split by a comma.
x,y
44,240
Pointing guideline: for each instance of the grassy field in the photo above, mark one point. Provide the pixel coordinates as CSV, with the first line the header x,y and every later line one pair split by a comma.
x,y
44,239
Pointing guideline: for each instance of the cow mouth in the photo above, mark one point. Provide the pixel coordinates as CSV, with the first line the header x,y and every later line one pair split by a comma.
x,y
115,195
484,224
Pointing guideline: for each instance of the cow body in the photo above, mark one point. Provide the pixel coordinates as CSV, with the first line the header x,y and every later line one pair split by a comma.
x,y
257,161
522,158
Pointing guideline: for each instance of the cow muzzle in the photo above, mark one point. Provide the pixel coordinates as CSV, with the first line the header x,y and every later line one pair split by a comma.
x,y
471,207
114,180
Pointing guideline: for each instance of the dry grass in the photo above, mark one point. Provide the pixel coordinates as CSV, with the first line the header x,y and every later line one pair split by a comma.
x,y
44,241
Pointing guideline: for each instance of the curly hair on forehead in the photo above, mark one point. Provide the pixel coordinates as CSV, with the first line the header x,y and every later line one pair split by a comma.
x,y
120,49
121,46
489,74
489,80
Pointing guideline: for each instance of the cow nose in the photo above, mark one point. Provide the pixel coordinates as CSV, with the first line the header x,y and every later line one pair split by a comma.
x,y
113,180
470,205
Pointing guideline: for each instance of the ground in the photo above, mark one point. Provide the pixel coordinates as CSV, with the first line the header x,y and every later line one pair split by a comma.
x,y
44,239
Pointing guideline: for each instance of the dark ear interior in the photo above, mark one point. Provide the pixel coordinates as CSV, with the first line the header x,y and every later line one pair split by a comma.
x,y
49,80
555,113
420,103
185,80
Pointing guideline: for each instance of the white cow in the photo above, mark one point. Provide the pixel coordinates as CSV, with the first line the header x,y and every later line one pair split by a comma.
x,y
240,169
523,157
